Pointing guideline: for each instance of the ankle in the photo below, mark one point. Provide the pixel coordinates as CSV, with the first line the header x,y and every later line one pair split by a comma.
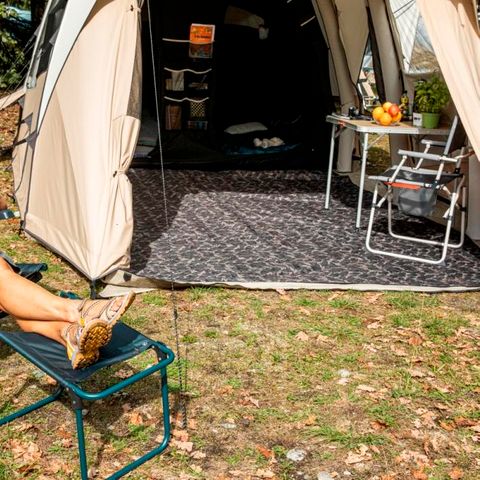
x,y
72,313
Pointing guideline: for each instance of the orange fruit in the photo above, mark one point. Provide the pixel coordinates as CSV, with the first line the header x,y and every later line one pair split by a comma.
x,y
385,119
397,117
387,105
377,113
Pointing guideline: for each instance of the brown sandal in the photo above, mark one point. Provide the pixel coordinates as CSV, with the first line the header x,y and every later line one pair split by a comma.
x,y
83,343
105,313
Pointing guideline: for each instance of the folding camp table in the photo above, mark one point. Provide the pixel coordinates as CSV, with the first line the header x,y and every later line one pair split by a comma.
x,y
365,128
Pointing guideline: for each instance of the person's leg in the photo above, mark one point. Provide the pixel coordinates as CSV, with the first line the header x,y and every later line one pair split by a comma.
x,y
52,330
82,326
24,299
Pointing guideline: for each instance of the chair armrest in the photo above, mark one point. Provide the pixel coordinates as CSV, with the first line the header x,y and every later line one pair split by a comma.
x,y
434,143
427,156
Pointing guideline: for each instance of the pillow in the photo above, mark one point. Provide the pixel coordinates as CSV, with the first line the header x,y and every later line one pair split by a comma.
x,y
245,128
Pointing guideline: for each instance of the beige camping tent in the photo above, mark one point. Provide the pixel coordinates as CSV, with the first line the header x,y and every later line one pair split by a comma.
x,y
80,118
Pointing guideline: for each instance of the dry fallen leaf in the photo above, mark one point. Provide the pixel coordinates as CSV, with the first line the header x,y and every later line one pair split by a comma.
x,y
455,474
416,373
373,297
399,352
181,435
26,452
310,420
264,473
225,390
197,455
366,388
302,336
185,446
250,400
265,452
465,422
419,475
378,425
362,456
135,418
448,426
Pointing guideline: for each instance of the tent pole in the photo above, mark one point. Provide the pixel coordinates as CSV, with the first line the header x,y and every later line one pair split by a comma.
x,y
93,289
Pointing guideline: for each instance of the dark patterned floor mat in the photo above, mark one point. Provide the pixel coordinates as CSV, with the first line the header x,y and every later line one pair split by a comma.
x,y
271,226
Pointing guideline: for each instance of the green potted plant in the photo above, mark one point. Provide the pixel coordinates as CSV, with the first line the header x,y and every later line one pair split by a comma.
x,y
431,96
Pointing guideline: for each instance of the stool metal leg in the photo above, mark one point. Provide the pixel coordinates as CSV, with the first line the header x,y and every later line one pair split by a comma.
x,y
166,433
81,444
77,406
32,407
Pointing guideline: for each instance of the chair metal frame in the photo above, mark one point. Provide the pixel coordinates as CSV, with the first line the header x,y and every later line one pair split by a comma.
x,y
416,178
77,395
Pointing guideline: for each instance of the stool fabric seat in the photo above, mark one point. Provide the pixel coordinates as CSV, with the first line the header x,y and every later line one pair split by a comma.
x,y
51,356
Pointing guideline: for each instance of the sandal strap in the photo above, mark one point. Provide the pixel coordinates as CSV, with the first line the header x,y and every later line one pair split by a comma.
x,y
85,310
66,332
82,304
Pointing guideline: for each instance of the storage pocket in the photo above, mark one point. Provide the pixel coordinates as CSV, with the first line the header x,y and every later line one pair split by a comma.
x,y
420,202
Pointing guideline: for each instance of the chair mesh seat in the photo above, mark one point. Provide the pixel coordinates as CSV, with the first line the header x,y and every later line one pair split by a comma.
x,y
423,176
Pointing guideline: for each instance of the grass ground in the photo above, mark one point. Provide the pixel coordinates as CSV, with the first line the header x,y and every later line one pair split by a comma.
x,y
279,385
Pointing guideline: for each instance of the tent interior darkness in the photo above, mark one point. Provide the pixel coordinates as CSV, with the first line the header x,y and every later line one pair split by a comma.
x,y
268,64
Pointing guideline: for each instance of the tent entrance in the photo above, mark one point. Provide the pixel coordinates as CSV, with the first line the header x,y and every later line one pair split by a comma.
x,y
264,77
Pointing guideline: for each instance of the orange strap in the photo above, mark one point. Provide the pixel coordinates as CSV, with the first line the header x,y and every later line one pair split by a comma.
x,y
404,185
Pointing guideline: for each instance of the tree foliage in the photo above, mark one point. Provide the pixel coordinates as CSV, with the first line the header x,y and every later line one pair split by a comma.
x,y
10,53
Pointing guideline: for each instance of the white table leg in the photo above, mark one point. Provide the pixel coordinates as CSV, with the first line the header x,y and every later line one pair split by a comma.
x,y
330,166
363,168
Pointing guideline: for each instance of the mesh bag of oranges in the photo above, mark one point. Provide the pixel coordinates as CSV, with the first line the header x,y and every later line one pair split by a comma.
x,y
387,114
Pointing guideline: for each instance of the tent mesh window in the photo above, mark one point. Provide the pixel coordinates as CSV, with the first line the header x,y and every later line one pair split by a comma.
x,y
48,36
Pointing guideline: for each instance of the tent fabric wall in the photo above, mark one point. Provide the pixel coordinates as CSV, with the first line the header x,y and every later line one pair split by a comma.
x,y
353,28
451,25
81,206
12,98
391,69
74,17
23,152
345,86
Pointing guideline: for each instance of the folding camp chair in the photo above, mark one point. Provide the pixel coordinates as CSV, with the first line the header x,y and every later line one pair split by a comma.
x,y
51,357
415,191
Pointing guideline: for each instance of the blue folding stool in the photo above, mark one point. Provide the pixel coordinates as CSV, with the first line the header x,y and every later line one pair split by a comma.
x,y
51,357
